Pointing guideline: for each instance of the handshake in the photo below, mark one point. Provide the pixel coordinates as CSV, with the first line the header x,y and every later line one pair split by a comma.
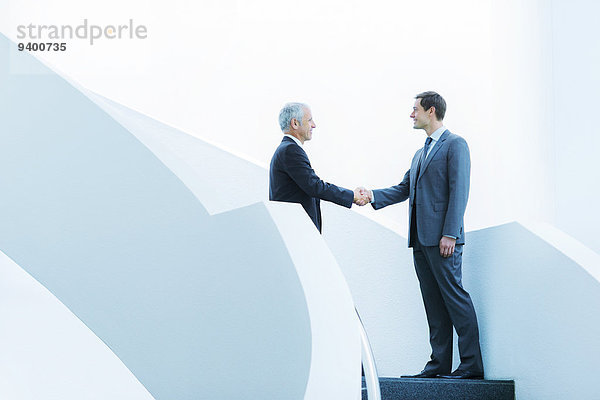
x,y
362,196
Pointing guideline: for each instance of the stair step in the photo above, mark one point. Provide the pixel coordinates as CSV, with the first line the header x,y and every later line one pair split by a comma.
x,y
443,389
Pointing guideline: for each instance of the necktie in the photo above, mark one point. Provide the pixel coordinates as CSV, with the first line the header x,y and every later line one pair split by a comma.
x,y
423,155
413,223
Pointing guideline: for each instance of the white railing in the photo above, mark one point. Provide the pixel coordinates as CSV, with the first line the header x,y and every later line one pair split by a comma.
x,y
368,362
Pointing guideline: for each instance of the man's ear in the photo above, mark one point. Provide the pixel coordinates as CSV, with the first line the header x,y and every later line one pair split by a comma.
x,y
431,110
294,123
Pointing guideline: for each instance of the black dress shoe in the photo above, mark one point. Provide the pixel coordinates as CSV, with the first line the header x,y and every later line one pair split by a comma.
x,y
458,374
422,374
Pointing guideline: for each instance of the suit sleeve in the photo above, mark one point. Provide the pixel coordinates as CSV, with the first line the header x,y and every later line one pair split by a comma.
x,y
392,195
459,172
299,169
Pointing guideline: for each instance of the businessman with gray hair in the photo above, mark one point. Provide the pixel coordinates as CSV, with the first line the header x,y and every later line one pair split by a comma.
x,y
437,187
291,176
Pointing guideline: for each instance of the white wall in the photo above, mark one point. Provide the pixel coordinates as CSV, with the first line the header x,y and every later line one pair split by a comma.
x,y
222,70
576,84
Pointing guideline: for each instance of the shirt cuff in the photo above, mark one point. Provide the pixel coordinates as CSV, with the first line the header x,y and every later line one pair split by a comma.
x,y
451,237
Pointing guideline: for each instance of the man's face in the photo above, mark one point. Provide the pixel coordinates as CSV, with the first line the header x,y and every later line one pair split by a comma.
x,y
305,130
421,117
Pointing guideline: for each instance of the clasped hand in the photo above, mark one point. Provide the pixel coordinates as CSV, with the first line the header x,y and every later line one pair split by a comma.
x,y
362,196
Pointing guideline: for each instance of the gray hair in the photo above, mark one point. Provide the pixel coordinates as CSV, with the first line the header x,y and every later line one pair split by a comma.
x,y
290,111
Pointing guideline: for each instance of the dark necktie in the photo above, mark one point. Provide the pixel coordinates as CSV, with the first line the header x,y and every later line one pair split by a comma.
x,y
424,155
413,223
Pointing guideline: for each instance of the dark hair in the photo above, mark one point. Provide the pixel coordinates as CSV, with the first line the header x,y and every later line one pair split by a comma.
x,y
432,99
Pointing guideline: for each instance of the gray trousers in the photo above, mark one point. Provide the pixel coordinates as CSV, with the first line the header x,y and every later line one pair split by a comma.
x,y
447,305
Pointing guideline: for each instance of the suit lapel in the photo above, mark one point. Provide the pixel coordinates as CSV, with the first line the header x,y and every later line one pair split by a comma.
x,y
434,151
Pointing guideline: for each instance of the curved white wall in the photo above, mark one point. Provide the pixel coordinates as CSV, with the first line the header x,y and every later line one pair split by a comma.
x,y
194,304
48,353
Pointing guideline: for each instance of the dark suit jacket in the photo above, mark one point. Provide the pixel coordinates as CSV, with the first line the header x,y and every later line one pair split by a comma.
x,y
442,190
292,179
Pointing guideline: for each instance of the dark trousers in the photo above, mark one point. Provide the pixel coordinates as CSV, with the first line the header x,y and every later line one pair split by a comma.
x,y
447,305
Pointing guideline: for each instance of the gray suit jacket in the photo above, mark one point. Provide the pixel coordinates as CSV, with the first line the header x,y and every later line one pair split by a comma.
x,y
442,190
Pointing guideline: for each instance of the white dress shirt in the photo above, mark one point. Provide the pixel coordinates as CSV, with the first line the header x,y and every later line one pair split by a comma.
x,y
435,136
294,138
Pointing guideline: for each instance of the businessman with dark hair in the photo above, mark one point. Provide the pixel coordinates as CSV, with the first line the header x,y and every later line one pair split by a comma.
x,y
437,187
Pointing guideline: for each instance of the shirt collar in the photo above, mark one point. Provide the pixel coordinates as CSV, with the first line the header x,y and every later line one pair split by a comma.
x,y
435,136
295,139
